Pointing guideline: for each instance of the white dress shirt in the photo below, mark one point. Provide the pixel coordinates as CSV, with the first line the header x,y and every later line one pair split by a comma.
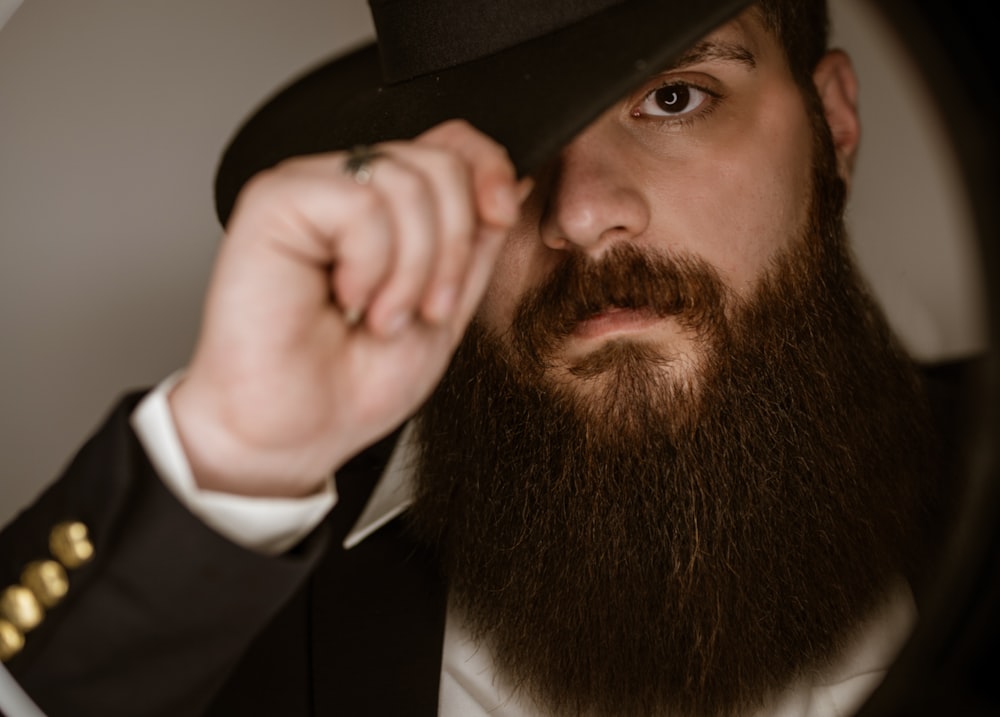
x,y
470,685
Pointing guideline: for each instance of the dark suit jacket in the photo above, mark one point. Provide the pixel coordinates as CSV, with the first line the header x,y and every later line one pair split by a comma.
x,y
169,618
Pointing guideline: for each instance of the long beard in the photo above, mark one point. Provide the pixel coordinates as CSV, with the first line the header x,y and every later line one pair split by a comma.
x,y
668,541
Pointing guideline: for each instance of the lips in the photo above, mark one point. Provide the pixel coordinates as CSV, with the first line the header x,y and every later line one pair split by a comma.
x,y
615,320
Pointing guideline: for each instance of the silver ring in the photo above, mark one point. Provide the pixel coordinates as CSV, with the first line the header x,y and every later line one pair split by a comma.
x,y
359,161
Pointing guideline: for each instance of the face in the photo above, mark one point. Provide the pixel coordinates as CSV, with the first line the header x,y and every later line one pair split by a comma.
x,y
618,536
710,160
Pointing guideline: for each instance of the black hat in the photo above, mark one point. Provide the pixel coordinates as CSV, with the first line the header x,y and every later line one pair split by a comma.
x,y
529,73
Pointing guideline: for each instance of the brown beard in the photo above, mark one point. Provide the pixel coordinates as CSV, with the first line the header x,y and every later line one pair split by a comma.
x,y
665,545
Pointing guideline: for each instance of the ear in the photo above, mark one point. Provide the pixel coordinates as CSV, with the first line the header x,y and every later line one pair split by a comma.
x,y
837,86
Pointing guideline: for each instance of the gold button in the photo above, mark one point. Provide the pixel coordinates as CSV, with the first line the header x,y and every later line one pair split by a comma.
x,y
47,579
70,544
20,606
11,640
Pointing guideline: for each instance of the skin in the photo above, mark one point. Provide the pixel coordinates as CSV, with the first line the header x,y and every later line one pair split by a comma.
x,y
299,366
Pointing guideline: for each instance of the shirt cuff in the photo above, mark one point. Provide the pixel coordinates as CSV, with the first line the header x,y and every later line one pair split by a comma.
x,y
266,525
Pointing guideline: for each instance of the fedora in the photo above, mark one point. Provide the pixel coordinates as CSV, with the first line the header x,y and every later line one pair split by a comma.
x,y
529,73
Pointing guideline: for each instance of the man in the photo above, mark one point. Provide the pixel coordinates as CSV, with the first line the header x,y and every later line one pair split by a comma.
x,y
677,465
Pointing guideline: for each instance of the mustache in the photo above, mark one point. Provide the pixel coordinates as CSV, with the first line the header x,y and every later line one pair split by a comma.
x,y
625,277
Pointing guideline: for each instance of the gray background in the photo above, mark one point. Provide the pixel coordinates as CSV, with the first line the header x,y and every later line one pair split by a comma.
x,y
112,116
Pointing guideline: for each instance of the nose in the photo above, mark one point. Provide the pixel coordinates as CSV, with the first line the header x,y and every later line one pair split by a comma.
x,y
595,197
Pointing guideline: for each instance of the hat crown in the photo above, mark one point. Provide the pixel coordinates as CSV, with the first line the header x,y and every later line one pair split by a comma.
x,y
419,37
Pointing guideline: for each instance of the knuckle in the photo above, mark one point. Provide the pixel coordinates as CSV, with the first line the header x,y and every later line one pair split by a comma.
x,y
456,126
451,163
452,130
492,146
258,185
260,195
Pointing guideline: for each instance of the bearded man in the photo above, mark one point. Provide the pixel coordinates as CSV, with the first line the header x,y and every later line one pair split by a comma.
x,y
665,456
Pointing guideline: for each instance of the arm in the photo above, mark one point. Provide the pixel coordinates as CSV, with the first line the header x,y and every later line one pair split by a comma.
x,y
333,311
336,305
149,625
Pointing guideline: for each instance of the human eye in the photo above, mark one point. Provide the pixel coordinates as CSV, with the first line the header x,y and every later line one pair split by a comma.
x,y
675,99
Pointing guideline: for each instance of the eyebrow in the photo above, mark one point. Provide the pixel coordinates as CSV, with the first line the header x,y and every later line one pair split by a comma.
x,y
709,50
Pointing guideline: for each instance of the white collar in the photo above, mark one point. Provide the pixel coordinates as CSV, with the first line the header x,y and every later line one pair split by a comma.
x,y
392,494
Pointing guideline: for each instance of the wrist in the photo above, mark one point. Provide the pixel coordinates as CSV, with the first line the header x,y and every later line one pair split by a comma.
x,y
224,460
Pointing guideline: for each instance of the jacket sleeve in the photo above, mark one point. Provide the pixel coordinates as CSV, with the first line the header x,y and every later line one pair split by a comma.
x,y
163,609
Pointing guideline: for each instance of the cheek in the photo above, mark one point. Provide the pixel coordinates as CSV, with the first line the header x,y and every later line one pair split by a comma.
x,y
746,194
777,201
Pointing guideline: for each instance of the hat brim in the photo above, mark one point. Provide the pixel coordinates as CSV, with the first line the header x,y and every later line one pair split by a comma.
x,y
532,98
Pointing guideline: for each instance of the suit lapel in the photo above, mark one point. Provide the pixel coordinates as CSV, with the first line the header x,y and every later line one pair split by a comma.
x,y
377,612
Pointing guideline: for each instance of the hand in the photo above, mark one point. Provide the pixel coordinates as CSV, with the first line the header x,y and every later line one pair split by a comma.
x,y
335,306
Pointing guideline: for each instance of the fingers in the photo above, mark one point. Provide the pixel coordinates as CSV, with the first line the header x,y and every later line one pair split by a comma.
x,y
494,182
413,242
496,196
408,200
435,221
